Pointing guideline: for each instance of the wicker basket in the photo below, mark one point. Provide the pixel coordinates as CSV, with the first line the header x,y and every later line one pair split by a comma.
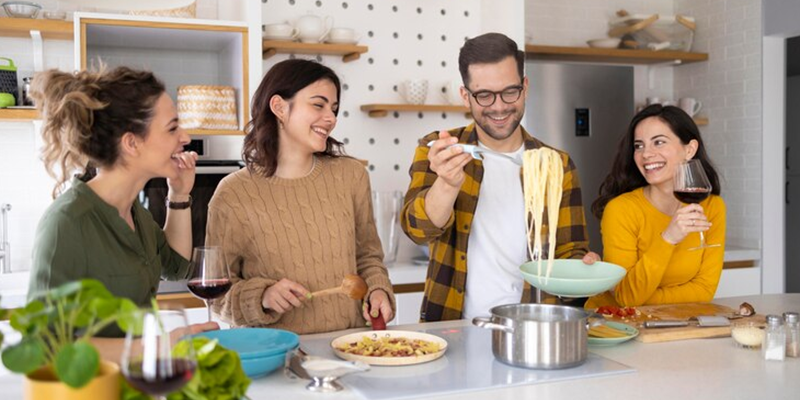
x,y
207,107
187,11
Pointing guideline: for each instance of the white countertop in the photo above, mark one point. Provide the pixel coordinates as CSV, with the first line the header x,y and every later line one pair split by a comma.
x,y
706,369
13,287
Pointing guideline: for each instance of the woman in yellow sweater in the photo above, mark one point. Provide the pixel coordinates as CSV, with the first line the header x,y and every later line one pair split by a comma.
x,y
299,218
646,229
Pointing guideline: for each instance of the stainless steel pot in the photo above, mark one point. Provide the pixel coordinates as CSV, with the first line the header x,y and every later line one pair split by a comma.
x,y
538,336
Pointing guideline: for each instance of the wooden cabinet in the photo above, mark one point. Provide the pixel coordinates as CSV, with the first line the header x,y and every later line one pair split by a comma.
x,y
179,52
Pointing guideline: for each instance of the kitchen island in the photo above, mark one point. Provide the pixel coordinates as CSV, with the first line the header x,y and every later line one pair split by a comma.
x,y
689,369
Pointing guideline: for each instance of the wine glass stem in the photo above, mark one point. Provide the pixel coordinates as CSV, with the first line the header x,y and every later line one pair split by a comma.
x,y
208,301
702,240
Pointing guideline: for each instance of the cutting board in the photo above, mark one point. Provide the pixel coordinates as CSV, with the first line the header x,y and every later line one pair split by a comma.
x,y
683,312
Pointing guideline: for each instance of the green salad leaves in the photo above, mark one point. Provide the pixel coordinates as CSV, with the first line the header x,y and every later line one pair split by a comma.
x,y
219,374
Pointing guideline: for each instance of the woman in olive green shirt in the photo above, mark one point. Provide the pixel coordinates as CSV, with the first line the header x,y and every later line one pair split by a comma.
x,y
121,128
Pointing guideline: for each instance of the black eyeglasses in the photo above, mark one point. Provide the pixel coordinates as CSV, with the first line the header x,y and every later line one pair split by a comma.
x,y
485,98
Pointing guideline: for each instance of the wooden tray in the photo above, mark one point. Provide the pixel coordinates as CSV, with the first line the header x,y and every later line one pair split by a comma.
x,y
682,312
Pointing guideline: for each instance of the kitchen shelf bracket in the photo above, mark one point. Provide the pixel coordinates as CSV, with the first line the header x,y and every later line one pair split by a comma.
x,y
651,71
38,53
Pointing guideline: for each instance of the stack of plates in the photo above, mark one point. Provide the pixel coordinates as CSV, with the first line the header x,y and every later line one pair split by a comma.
x,y
262,350
279,37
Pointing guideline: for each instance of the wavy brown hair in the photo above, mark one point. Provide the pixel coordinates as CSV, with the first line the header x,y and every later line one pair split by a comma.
x,y
285,79
625,175
87,113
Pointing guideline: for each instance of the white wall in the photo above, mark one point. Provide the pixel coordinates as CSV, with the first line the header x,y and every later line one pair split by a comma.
x,y
780,18
729,85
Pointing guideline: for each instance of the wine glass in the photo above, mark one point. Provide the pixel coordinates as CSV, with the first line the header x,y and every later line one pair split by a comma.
x,y
148,362
691,185
210,278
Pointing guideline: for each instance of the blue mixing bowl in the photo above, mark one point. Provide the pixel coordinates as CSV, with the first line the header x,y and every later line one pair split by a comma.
x,y
255,343
262,366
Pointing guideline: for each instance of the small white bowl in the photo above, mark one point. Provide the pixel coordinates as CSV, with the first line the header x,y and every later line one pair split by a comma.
x,y
55,15
606,43
21,9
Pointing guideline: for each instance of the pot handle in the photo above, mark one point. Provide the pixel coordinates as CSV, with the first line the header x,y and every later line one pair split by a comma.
x,y
485,322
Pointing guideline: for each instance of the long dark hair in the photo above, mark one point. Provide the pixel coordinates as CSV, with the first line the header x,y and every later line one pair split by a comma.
x,y
87,113
625,176
285,79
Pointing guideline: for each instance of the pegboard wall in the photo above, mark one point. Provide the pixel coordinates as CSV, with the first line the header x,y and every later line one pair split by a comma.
x,y
407,40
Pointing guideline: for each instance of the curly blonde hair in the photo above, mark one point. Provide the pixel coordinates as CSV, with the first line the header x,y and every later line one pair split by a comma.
x,y
87,113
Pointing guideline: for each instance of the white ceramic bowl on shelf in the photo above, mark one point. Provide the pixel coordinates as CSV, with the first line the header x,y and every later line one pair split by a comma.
x,y
21,9
605,43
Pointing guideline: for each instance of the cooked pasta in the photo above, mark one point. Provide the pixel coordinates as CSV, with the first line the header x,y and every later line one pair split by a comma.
x,y
542,173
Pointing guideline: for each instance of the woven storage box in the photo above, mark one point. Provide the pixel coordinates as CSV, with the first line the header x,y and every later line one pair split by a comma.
x,y
207,107
187,11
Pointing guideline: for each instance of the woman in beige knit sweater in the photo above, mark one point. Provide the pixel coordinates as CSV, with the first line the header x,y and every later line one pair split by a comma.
x,y
299,218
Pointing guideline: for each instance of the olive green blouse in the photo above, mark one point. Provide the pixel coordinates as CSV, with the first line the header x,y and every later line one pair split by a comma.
x,y
81,236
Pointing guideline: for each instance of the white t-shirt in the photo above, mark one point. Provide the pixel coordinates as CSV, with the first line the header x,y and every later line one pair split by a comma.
x,y
497,240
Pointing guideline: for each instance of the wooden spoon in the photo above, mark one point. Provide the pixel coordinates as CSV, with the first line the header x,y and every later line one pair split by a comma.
x,y
352,286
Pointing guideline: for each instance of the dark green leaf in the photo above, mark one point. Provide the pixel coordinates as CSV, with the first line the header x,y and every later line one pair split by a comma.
x,y
65,290
24,357
24,319
77,363
103,308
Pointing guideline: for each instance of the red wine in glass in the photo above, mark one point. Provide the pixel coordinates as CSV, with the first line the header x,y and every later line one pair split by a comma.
x,y
692,195
169,376
691,185
210,277
208,289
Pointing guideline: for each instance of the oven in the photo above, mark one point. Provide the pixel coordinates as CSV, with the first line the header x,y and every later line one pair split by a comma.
x,y
210,171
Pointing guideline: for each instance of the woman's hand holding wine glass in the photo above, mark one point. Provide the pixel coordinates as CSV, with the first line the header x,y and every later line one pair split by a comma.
x,y
691,185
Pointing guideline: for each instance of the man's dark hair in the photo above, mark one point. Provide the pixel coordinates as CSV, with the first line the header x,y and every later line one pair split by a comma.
x,y
487,49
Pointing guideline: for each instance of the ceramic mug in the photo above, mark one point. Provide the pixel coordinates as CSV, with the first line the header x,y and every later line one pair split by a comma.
x,y
414,91
342,35
653,100
451,93
282,30
313,29
690,105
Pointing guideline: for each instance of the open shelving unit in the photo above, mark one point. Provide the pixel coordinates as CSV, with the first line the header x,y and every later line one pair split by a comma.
x,y
382,110
349,52
219,47
619,56
50,29
18,115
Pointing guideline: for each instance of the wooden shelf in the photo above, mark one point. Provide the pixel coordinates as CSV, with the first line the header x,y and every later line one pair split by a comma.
x,y
700,121
381,110
213,132
620,56
17,114
349,52
50,29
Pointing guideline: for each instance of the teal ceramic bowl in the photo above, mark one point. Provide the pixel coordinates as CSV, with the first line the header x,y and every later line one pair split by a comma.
x,y
573,278
262,366
255,342
631,331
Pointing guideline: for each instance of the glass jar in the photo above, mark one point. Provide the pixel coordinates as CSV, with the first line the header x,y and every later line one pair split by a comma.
x,y
792,323
774,347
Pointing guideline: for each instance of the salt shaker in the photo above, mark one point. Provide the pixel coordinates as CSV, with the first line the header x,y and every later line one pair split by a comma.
x,y
774,347
792,322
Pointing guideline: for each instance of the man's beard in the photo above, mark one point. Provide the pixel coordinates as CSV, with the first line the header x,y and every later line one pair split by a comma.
x,y
494,133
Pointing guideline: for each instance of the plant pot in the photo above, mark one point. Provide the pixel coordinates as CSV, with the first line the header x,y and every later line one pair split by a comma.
x,y
43,384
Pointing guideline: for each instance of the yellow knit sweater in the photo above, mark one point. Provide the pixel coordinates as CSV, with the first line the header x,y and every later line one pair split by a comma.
x,y
658,272
312,230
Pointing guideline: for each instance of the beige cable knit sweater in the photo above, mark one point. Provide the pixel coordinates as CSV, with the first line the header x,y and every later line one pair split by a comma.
x,y
312,230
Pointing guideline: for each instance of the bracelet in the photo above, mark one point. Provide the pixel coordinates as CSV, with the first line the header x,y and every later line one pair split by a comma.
x,y
179,205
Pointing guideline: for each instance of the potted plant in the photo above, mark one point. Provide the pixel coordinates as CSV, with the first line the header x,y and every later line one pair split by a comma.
x,y
55,353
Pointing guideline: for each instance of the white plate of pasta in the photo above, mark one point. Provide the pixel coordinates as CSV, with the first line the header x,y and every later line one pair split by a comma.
x,y
389,347
573,278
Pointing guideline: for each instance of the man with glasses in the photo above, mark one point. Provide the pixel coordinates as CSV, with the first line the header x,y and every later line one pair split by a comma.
x,y
471,212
